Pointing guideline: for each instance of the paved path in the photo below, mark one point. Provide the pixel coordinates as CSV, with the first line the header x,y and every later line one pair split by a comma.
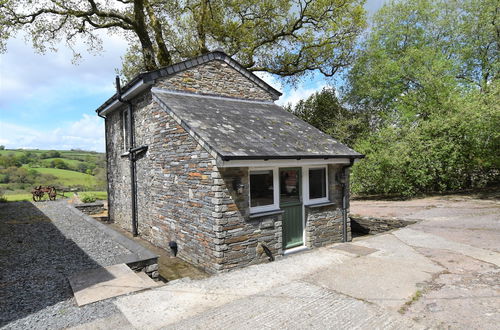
x,y
415,277
440,272
41,244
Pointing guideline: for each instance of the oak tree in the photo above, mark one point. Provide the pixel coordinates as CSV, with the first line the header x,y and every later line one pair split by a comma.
x,y
289,38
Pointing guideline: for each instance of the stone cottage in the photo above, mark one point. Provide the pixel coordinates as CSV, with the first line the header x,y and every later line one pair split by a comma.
x,y
202,161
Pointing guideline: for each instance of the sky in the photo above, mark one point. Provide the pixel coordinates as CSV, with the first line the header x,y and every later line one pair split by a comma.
x,y
47,102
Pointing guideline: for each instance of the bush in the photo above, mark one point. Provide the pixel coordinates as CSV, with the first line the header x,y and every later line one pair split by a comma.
x,y
88,198
59,163
447,152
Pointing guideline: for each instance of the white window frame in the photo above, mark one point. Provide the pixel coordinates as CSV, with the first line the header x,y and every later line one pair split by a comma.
x,y
307,200
276,197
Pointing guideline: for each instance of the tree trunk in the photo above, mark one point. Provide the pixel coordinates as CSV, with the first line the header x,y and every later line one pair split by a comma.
x,y
164,58
200,27
148,52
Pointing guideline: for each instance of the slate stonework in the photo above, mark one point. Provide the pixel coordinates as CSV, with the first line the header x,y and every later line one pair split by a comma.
x,y
91,208
118,172
324,224
239,234
216,78
184,197
174,186
372,226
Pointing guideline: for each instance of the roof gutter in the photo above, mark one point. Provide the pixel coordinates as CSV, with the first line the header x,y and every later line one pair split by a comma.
x,y
137,86
297,157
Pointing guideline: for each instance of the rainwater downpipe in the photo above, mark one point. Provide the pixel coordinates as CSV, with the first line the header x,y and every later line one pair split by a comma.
x,y
344,180
131,156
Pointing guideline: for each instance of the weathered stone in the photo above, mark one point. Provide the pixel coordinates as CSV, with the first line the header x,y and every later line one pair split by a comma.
x,y
370,225
184,197
151,268
215,77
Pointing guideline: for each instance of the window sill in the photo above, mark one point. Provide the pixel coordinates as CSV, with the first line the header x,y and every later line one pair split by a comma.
x,y
321,204
265,214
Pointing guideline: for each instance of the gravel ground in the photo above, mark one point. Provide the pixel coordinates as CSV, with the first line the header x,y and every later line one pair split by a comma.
x,y
40,245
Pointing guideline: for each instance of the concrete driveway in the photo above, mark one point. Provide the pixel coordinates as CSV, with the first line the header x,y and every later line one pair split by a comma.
x,y
440,272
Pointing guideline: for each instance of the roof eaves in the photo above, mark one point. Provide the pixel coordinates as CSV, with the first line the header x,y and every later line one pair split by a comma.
x,y
125,88
297,157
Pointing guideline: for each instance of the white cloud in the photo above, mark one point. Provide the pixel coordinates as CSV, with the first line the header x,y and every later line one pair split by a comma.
x,y
302,92
86,133
271,80
293,95
24,73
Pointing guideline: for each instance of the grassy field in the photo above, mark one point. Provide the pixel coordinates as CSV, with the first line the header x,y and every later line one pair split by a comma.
x,y
65,154
101,195
13,152
17,185
68,178
17,197
70,162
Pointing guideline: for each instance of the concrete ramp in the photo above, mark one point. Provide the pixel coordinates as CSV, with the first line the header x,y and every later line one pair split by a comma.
x,y
107,282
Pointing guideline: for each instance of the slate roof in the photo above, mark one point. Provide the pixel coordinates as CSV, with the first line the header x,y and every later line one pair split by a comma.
x,y
243,129
149,77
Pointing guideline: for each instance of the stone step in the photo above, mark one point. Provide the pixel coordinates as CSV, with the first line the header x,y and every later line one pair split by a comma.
x,y
147,280
106,282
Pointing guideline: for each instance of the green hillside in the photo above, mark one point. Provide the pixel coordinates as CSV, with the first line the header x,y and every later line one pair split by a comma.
x,y
68,178
69,161
23,169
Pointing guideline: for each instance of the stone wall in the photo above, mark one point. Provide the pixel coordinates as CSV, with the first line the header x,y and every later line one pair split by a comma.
x,y
323,226
91,208
174,184
372,226
238,235
183,196
118,172
324,223
217,78
175,180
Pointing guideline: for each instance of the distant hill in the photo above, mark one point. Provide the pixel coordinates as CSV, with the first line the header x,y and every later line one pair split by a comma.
x,y
22,169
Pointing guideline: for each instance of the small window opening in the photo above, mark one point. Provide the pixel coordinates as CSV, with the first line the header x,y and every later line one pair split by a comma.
x,y
125,130
261,188
317,183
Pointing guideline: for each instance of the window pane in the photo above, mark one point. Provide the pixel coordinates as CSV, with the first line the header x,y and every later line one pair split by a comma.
x,y
261,188
317,183
125,130
289,186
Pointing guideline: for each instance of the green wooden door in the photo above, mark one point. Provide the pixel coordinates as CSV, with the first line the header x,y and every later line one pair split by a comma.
x,y
291,203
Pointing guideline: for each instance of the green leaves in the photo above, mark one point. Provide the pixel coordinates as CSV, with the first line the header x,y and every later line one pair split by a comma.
x,y
428,74
324,111
289,38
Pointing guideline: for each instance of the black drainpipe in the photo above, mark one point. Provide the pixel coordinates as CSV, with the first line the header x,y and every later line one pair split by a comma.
x,y
131,157
344,199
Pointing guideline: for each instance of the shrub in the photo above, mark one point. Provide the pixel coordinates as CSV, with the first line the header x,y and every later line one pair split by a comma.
x,y
88,198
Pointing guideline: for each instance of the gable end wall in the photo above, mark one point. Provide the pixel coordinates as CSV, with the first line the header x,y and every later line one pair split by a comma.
x,y
175,180
215,78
